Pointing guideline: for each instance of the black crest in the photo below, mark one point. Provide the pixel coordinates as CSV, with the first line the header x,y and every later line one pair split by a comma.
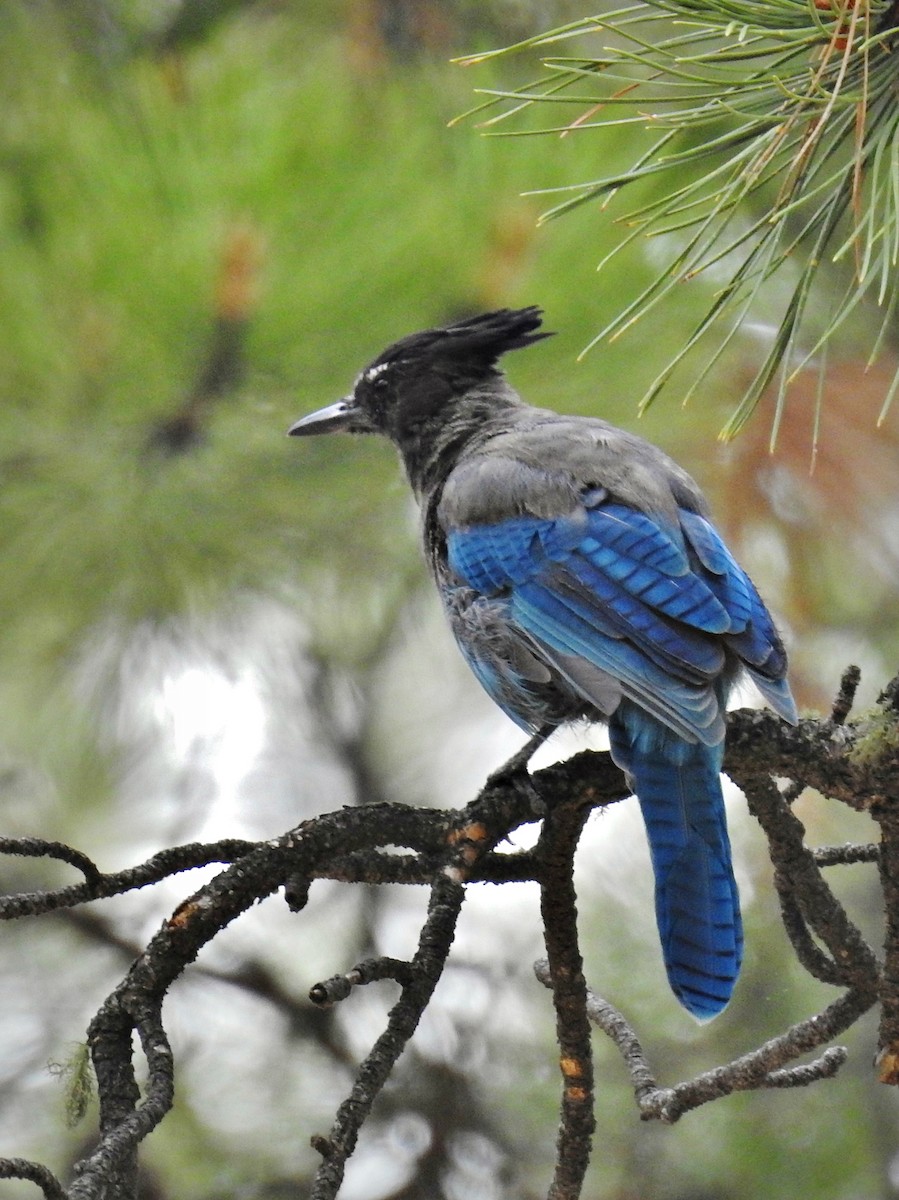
x,y
472,346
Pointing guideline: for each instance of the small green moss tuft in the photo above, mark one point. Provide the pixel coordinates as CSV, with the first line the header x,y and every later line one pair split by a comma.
x,y
77,1075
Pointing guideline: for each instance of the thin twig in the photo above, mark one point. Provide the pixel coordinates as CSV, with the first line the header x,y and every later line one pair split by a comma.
x,y
426,967
761,1068
160,866
606,1016
754,1070
338,987
43,1177
810,955
846,855
845,697
39,848
798,872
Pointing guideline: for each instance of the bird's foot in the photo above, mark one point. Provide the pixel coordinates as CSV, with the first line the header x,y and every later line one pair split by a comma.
x,y
514,772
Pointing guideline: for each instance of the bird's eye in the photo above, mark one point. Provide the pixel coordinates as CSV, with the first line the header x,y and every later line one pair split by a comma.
x,y
380,384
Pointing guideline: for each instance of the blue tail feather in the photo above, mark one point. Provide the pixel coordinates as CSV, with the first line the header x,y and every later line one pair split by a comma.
x,y
697,906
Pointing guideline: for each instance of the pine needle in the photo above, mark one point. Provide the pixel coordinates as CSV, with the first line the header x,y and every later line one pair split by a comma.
x,y
787,106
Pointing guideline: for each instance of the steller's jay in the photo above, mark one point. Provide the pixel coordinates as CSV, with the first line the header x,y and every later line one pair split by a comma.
x,y
582,579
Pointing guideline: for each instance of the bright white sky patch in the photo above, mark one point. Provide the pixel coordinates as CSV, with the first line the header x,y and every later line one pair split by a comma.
x,y
219,720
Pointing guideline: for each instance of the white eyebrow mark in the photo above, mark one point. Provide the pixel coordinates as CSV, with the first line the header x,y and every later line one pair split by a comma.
x,y
373,372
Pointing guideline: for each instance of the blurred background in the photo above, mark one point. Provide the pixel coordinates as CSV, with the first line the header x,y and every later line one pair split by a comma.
x,y
213,213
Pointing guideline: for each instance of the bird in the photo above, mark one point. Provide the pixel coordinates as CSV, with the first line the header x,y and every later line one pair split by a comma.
x,y
583,579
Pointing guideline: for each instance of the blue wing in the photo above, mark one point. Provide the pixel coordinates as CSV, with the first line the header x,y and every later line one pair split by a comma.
x,y
647,624
652,608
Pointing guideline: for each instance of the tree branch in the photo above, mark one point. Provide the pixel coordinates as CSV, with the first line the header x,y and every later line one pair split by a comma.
x,y
854,762
762,1067
22,1168
558,842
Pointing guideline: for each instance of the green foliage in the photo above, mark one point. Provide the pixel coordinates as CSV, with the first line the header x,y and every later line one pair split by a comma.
x,y
207,246
772,145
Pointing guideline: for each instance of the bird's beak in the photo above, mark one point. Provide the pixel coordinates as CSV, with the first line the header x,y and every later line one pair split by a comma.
x,y
343,416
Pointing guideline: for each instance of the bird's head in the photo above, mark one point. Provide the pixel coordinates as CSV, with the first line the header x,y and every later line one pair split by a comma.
x,y
416,384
